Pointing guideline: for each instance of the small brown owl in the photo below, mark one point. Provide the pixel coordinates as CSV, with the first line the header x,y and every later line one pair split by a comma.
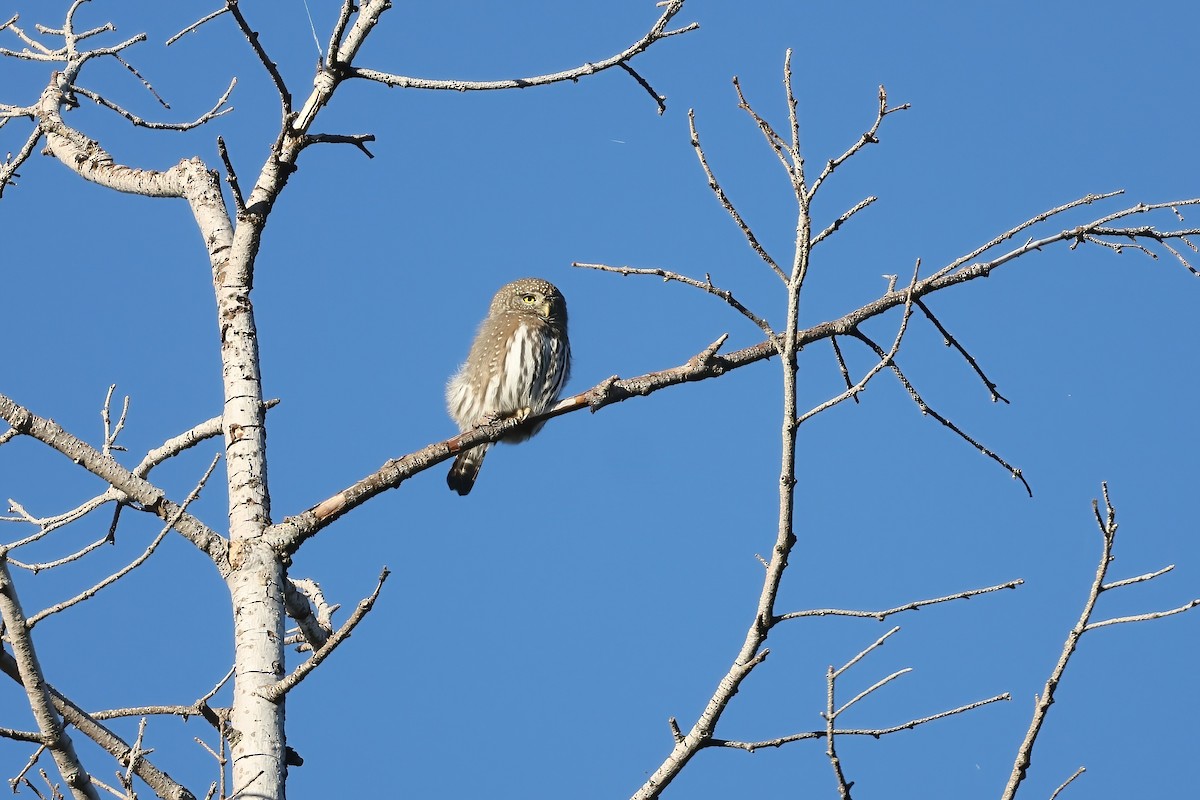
x,y
518,364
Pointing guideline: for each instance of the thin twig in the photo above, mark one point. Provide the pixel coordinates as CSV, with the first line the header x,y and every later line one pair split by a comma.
x,y
929,411
276,692
89,593
285,96
657,32
660,100
1067,782
913,606
949,340
239,202
191,28
1107,524
726,203
874,733
706,285
218,109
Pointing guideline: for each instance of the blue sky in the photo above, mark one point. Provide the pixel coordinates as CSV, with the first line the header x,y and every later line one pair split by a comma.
x,y
536,635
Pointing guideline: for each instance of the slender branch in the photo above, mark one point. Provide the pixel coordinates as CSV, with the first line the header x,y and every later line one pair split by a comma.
x,y
359,140
913,606
30,674
949,340
874,733
88,594
657,31
136,488
8,170
726,203
840,221
1107,523
195,25
277,692
774,140
1144,617
239,202
219,109
285,96
867,138
314,629
660,100
1034,220
1067,782
842,368
885,360
1139,579
926,410
705,285
116,747
339,30
209,429
111,434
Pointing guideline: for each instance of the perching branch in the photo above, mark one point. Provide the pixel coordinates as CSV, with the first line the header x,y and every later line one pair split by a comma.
x,y
293,531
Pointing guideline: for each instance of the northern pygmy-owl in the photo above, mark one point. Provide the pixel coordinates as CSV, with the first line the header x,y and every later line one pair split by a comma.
x,y
518,364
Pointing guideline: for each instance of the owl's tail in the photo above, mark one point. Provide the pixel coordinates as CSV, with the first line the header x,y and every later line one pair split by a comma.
x,y
465,470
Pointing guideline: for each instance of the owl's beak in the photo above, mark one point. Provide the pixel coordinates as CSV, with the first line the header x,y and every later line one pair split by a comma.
x,y
545,309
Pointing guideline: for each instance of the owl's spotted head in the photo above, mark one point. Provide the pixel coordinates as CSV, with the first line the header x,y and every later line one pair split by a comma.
x,y
532,296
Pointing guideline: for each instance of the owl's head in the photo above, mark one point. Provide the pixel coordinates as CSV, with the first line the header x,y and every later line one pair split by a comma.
x,y
532,297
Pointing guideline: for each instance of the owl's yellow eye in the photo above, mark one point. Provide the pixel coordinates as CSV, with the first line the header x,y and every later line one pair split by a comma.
x,y
527,298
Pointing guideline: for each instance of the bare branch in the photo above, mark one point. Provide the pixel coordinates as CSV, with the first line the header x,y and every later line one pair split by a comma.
x,y
8,170
928,411
314,629
219,109
150,497
840,221
91,592
1144,617
874,733
657,31
239,202
1107,524
1139,579
867,138
31,676
276,693
660,100
1034,220
359,140
774,140
195,25
706,285
1067,782
725,201
110,435
885,360
913,606
949,340
285,96
116,747
339,30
